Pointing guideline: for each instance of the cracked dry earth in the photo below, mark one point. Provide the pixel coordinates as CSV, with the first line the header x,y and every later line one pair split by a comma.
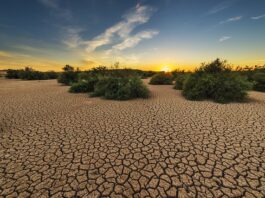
x,y
57,144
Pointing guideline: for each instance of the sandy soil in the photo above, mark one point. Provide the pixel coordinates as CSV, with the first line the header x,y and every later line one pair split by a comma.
x,y
57,144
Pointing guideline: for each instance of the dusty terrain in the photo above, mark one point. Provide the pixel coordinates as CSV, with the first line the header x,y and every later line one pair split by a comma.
x,y
57,144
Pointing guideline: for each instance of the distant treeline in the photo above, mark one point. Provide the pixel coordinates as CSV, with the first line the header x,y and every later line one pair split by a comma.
x,y
30,74
70,75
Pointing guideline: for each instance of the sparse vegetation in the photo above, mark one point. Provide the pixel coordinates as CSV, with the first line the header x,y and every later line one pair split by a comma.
x,y
116,84
216,81
83,86
162,78
179,81
118,88
254,74
30,74
69,75
259,81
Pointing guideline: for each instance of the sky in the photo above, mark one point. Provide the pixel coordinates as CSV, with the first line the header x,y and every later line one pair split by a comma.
x,y
140,34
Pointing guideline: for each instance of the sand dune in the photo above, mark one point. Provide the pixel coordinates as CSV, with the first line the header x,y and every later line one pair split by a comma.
x,y
55,144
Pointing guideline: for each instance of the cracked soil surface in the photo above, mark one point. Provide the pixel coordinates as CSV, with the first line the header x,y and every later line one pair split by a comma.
x,y
57,144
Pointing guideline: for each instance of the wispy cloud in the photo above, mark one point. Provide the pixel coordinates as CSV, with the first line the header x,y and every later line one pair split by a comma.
x,y
135,39
224,38
117,37
137,16
73,39
58,10
258,17
233,19
221,7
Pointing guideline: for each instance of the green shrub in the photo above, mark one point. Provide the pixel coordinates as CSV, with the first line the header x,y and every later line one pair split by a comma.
x,y
121,88
79,87
100,87
161,78
217,82
199,86
30,74
51,75
179,81
231,87
138,89
13,73
83,86
68,76
259,81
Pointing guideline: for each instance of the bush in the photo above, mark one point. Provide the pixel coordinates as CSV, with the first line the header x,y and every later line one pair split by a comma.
x,y
100,87
69,75
30,74
83,86
161,78
121,88
51,75
179,81
230,87
259,81
217,82
13,73
198,86
79,87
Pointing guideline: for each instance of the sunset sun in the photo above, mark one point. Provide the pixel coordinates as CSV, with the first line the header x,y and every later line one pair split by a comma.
x,y
165,68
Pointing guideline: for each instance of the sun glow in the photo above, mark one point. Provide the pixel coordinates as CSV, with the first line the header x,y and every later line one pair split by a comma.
x,y
165,68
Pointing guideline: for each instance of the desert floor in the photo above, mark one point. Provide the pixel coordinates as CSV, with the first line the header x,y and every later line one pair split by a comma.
x,y
57,144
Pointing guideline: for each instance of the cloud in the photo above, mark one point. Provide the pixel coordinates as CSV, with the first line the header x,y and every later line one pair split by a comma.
x,y
221,6
135,39
224,38
137,16
233,19
73,39
114,39
258,17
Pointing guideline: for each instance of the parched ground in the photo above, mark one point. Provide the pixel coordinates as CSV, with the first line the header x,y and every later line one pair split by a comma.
x,y
57,144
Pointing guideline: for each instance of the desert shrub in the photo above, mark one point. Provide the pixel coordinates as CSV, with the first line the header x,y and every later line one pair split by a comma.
x,y
83,86
147,74
30,74
68,76
13,73
259,81
51,75
100,87
138,89
230,87
216,81
177,72
117,88
161,78
79,87
198,86
179,81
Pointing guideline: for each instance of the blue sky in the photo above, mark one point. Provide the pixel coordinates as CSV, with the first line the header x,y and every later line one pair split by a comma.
x,y
147,34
